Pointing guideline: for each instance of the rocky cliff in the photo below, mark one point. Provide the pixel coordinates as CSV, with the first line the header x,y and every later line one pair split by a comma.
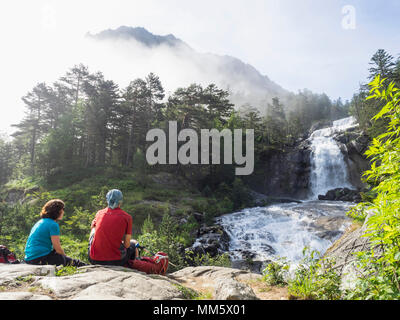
x,y
354,142
285,173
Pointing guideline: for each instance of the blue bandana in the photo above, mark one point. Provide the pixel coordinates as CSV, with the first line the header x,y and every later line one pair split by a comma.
x,y
113,198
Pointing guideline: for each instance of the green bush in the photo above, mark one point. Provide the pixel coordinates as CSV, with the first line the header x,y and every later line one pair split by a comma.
x,y
276,273
315,278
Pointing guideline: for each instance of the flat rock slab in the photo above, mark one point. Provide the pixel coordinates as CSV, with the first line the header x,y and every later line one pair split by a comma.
x,y
22,296
92,282
28,282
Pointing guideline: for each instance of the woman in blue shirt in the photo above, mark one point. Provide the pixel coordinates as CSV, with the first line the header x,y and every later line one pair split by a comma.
x,y
43,245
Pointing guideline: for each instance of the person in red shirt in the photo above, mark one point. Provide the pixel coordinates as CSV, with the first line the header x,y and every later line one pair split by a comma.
x,y
110,238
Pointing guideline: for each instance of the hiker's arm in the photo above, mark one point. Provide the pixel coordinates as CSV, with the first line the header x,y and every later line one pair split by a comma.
x,y
127,240
92,232
55,240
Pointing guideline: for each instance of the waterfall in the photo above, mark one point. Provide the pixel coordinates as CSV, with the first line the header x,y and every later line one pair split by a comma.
x,y
328,167
283,230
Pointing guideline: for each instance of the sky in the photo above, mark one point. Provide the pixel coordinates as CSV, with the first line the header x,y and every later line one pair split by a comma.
x,y
322,45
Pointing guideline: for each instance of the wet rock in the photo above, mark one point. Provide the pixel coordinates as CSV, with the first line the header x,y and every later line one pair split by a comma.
x,y
342,194
247,255
212,240
329,235
330,227
254,266
268,249
356,144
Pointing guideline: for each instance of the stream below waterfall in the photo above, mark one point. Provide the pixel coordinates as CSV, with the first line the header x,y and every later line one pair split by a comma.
x,y
283,230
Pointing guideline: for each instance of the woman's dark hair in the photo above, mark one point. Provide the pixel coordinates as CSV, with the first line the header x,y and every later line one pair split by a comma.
x,y
52,209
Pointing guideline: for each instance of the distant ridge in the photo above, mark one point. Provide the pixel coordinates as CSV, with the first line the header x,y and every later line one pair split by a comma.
x,y
244,82
140,34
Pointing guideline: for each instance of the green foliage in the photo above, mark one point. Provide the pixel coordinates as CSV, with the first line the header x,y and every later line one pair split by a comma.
x,y
315,278
78,223
74,247
66,271
167,238
148,225
188,293
276,273
220,260
380,265
172,238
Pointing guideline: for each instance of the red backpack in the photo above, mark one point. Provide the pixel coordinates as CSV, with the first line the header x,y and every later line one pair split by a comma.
x,y
157,264
6,256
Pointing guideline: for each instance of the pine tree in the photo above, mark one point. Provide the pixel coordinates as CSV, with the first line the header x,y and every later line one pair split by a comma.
x,y
133,103
381,64
32,127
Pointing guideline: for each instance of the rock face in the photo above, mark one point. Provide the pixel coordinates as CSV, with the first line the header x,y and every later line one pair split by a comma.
x,y
28,282
285,173
354,144
330,227
342,194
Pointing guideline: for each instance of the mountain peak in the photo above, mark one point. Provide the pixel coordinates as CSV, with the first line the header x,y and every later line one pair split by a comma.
x,y
139,34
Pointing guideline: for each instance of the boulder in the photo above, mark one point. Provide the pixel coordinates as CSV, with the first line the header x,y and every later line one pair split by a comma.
x,y
344,250
342,194
223,283
253,266
233,290
210,239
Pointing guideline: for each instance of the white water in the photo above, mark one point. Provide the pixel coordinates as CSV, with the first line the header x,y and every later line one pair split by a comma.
x,y
288,228
328,168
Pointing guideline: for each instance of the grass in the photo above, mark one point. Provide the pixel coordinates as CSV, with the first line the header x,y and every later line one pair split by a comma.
x,y
204,296
66,271
188,294
27,279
